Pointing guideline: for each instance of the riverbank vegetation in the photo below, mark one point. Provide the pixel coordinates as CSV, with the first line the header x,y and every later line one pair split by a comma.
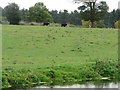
x,y
60,75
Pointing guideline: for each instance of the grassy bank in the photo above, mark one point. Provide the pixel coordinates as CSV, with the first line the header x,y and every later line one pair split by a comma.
x,y
61,75
35,55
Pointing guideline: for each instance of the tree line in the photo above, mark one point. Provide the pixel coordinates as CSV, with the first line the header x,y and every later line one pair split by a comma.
x,y
99,16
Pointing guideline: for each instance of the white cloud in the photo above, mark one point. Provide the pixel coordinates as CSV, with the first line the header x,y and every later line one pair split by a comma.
x,y
54,4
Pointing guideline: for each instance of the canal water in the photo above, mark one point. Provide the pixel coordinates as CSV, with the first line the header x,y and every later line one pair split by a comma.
x,y
87,86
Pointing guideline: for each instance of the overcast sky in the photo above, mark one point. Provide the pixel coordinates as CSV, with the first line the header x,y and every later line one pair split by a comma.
x,y
55,4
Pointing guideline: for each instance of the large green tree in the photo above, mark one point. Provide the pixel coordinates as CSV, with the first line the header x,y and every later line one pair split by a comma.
x,y
1,10
55,16
66,17
93,11
12,13
63,16
75,18
24,14
39,13
111,18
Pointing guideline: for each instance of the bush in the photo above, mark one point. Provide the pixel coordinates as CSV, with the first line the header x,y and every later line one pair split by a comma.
x,y
85,24
106,68
88,73
117,24
100,24
3,20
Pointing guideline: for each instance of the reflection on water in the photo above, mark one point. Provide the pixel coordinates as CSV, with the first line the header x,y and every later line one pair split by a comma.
x,y
105,85
87,86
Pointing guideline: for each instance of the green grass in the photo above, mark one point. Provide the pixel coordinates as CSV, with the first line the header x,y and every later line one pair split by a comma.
x,y
35,47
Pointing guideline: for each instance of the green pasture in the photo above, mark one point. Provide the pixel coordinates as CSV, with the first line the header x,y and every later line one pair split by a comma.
x,y
39,46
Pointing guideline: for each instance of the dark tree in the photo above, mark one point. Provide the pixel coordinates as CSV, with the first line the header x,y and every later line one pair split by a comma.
x,y
93,11
111,18
1,11
12,13
75,18
24,14
63,17
118,14
55,16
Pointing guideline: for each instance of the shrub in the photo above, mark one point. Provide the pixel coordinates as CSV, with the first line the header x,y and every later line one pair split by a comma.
x,y
85,24
117,24
106,68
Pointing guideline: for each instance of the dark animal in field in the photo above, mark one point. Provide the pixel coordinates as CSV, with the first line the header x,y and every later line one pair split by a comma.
x,y
63,25
46,23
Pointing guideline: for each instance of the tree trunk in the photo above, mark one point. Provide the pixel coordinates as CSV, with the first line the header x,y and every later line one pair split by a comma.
x,y
92,24
92,13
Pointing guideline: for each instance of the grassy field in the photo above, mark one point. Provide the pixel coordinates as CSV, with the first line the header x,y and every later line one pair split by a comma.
x,y
38,47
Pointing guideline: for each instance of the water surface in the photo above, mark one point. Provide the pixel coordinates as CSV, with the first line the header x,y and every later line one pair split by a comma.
x,y
87,86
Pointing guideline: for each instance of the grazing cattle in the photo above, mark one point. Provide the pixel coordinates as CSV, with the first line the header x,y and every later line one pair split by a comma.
x,y
46,23
63,25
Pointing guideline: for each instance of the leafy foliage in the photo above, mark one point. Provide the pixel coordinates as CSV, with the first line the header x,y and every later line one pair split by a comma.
x,y
107,68
85,24
24,14
39,13
66,17
59,75
93,11
1,10
12,13
117,24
